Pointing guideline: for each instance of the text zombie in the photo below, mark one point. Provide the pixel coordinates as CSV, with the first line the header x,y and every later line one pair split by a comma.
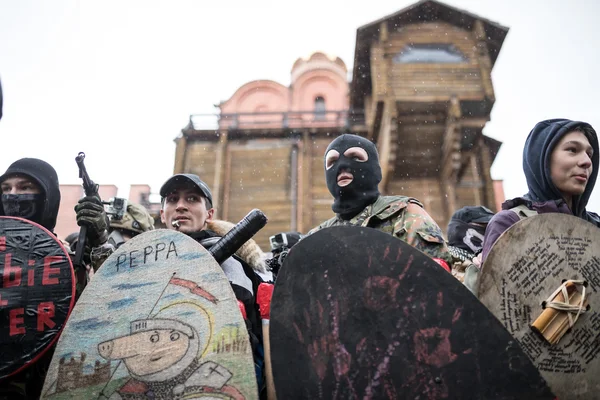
x,y
17,273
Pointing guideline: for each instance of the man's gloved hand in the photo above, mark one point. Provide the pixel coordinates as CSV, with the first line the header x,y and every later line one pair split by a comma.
x,y
90,212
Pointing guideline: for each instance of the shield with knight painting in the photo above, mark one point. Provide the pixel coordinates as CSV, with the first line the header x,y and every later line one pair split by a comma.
x,y
158,320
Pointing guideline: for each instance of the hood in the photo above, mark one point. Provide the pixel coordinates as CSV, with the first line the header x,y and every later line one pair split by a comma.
x,y
536,163
46,177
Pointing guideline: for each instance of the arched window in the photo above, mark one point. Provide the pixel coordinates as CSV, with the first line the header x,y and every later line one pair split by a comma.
x,y
434,53
319,108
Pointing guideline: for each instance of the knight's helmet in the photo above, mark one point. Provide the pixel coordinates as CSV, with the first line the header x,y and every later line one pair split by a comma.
x,y
125,217
178,329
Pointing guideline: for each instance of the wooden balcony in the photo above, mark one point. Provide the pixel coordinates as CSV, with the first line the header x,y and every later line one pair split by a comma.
x,y
288,120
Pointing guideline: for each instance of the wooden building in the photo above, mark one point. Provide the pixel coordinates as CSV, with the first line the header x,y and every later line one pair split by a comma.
x,y
421,89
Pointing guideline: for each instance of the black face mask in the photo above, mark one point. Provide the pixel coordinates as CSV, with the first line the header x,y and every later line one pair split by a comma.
x,y
362,191
466,236
28,206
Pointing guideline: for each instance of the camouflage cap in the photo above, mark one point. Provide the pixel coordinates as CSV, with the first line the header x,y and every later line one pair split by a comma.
x,y
136,219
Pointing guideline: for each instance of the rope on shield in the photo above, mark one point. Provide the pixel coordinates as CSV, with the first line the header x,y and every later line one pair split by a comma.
x,y
565,306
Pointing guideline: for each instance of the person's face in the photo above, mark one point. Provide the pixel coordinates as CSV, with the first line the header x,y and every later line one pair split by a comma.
x,y
345,177
188,207
20,184
571,164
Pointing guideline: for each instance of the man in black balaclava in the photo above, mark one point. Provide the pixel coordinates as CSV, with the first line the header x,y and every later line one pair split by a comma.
x,y
353,174
30,190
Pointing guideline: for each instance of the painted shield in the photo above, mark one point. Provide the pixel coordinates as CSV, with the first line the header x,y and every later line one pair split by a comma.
x,y
357,313
37,291
529,262
158,320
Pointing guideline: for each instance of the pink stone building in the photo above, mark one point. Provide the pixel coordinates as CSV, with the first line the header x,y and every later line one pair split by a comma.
x,y
316,97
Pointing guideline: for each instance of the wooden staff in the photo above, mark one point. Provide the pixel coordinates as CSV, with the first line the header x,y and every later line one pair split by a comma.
x,y
263,298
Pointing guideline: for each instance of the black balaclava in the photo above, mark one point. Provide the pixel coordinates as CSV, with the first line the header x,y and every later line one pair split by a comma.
x,y
537,154
362,191
28,206
41,208
466,228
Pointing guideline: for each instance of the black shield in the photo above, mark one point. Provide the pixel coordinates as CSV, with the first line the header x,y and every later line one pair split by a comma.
x,y
37,292
357,313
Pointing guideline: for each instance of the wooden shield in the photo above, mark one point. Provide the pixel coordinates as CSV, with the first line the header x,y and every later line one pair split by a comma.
x,y
526,265
357,313
37,291
158,320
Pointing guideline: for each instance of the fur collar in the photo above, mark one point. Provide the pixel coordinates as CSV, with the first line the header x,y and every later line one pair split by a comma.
x,y
250,251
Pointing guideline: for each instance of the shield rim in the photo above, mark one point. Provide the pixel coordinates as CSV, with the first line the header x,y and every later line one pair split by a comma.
x,y
71,305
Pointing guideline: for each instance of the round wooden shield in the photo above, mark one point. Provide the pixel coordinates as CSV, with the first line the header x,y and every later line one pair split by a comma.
x,y
525,266
158,320
37,292
359,314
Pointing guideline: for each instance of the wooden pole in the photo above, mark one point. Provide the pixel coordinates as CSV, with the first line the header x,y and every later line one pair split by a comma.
x,y
263,298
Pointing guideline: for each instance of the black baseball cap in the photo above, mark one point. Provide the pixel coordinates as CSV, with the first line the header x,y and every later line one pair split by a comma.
x,y
182,179
477,214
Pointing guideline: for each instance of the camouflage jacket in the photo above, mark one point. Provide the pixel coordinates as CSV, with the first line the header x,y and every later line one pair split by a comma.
x,y
403,217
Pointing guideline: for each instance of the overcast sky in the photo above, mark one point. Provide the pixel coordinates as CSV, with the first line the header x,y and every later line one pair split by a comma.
x,y
119,79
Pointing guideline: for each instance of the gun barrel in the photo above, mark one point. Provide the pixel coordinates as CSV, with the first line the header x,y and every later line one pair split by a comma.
x,y
240,234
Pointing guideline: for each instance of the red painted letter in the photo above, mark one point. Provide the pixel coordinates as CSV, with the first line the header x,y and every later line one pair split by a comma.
x,y
9,269
2,243
16,318
45,312
46,279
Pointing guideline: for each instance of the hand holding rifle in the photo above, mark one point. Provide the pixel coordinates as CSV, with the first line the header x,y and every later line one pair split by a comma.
x,y
91,216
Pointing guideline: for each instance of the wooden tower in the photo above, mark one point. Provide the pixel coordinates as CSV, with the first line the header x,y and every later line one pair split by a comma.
x,y
423,78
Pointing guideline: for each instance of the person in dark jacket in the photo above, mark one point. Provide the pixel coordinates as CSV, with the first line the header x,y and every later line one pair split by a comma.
x,y
187,207
560,161
30,190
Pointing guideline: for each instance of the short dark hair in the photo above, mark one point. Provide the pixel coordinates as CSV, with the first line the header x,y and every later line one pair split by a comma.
x,y
586,130
206,199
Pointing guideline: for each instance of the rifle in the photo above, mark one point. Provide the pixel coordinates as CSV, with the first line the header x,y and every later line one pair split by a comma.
x,y
90,189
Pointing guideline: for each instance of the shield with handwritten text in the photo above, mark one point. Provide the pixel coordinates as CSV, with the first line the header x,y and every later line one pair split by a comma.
x,y
518,283
357,313
37,289
158,320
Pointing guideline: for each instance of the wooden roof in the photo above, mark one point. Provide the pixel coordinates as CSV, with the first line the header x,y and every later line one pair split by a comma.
x,y
422,11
